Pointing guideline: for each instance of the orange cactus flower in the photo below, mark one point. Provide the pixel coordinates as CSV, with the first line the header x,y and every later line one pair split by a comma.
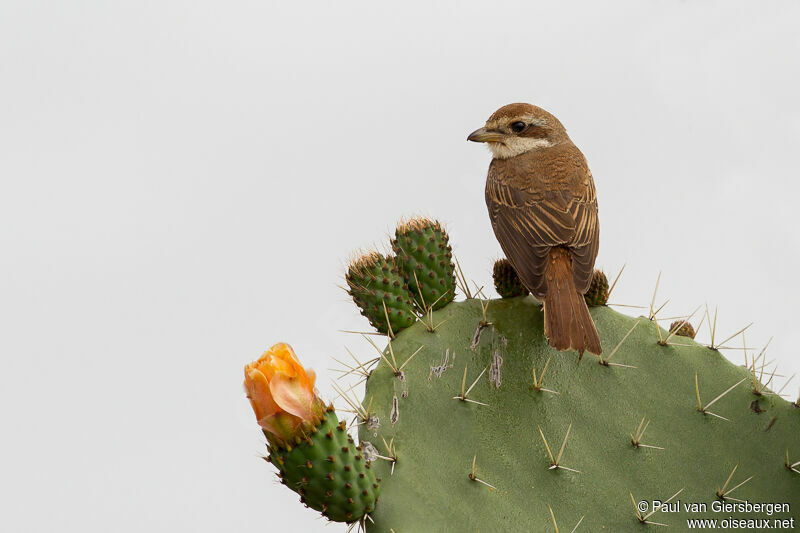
x,y
282,393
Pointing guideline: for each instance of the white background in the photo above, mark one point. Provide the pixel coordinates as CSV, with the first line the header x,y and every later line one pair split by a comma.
x,y
183,182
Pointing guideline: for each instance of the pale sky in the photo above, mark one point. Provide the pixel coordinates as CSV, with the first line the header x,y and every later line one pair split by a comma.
x,y
184,181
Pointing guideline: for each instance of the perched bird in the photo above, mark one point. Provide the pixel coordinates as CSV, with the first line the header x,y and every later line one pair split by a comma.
x,y
543,207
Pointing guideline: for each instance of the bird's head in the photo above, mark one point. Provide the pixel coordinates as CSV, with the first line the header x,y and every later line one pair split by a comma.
x,y
518,128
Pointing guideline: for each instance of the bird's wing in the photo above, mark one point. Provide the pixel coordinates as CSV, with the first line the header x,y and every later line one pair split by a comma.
x,y
586,240
530,222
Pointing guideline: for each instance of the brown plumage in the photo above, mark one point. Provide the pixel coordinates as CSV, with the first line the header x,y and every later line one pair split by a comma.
x,y
543,207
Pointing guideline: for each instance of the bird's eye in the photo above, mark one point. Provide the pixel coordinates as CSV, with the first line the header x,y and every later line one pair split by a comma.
x,y
517,127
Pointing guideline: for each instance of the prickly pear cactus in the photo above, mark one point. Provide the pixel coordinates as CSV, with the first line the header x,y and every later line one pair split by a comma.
x,y
473,422
506,281
466,427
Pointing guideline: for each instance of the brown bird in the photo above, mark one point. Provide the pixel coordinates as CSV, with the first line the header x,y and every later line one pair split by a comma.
x,y
543,207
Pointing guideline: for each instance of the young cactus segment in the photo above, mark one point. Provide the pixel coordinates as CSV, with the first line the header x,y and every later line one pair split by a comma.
x,y
377,287
682,328
329,472
506,281
426,261
597,294
314,454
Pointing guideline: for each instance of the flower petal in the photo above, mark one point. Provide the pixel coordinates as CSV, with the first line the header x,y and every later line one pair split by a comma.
x,y
311,377
293,395
285,351
258,392
283,359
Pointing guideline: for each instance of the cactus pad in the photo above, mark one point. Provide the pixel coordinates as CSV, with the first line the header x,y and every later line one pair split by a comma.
x,y
329,472
495,427
597,294
506,281
426,260
374,281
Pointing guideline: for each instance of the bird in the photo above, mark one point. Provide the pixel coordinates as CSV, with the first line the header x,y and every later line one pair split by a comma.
x,y
542,205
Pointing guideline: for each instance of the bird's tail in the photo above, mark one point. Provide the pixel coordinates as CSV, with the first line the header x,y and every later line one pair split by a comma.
x,y
567,322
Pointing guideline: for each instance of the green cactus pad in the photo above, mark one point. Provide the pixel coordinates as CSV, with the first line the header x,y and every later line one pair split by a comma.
x,y
597,294
684,329
329,472
374,280
426,260
506,281
435,489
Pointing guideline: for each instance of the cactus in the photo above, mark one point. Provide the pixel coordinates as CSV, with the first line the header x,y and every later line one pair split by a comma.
x,y
329,471
425,258
598,290
377,287
506,281
634,425
682,328
479,424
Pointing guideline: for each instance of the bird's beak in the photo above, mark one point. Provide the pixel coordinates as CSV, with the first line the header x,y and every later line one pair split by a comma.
x,y
482,135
